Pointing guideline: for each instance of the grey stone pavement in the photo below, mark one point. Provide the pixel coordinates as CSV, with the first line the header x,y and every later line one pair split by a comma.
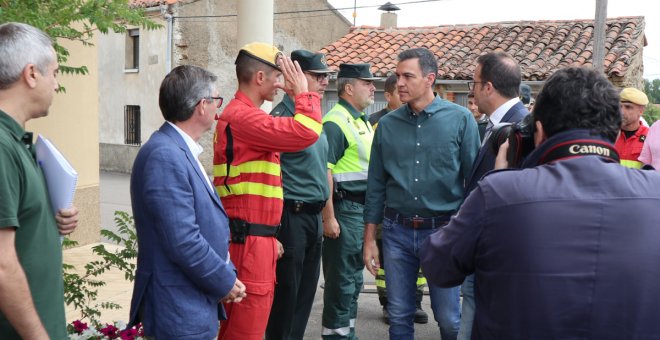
x,y
115,196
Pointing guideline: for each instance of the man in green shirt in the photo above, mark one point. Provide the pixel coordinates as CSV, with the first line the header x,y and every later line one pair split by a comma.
x,y
349,141
31,284
393,103
421,155
305,187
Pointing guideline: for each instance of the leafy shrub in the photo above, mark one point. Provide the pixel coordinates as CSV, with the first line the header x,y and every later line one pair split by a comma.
x,y
81,290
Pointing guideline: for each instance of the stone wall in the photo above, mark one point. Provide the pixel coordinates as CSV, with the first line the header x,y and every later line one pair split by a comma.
x,y
89,224
117,157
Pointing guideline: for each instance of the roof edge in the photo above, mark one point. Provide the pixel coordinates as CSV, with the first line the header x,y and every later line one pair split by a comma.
x,y
508,22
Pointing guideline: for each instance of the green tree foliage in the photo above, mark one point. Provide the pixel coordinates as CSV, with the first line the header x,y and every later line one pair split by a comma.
x,y
81,287
75,20
651,114
652,90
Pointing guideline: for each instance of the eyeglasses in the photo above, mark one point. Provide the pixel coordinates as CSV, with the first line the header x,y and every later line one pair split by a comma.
x,y
219,99
319,76
470,84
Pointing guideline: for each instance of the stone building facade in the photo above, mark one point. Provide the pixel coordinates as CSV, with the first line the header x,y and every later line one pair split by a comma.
x,y
201,33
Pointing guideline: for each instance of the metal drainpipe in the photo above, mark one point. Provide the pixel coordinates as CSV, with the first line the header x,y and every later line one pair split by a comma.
x,y
165,12
170,32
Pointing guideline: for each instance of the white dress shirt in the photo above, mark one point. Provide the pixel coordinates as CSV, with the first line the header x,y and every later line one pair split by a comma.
x,y
497,115
195,149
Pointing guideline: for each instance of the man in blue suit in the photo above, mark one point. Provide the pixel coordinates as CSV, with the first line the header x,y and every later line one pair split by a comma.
x,y
496,88
183,267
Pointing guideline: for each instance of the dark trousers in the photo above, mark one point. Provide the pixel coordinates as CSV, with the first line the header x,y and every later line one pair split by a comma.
x,y
297,275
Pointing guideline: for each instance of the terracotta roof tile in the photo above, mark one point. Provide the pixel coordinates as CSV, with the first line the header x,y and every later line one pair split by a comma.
x,y
541,47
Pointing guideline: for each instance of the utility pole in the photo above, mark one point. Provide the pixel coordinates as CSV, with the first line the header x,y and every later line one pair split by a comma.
x,y
600,25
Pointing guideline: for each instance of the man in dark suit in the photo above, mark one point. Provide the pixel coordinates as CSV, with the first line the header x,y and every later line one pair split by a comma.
x,y
496,89
183,267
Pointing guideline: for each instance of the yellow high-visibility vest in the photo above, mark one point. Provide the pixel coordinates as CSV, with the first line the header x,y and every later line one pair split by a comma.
x,y
354,165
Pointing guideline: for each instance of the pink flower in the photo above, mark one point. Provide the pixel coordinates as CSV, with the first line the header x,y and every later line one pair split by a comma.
x,y
110,331
79,326
139,329
128,334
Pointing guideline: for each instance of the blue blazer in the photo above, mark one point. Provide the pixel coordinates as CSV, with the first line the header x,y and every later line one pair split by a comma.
x,y
485,160
183,268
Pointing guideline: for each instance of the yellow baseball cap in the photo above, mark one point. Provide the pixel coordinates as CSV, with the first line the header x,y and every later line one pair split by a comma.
x,y
263,52
635,96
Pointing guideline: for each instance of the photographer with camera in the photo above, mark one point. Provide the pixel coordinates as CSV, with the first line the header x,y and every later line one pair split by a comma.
x,y
496,88
553,246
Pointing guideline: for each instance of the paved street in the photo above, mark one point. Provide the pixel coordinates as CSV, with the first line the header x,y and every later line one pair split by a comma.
x,y
115,196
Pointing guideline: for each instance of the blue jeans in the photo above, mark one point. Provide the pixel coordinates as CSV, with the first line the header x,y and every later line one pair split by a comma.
x,y
467,314
401,253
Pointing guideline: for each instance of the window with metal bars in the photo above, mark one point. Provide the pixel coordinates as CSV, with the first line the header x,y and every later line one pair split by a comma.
x,y
132,125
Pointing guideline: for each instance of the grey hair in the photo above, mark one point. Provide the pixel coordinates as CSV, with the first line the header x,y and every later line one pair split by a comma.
x,y
181,91
20,45
341,84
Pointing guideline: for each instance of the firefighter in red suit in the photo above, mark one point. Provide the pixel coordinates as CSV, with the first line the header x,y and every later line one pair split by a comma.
x,y
633,133
247,175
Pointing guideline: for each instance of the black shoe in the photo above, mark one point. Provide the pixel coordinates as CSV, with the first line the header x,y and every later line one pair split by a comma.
x,y
421,316
386,316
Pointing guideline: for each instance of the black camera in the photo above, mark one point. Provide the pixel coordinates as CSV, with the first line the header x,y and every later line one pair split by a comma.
x,y
520,136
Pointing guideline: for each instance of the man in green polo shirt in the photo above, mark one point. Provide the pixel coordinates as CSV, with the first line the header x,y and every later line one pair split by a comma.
x,y
31,284
349,142
305,187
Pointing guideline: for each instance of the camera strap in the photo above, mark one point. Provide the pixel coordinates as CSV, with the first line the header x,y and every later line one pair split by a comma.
x,y
571,144
578,148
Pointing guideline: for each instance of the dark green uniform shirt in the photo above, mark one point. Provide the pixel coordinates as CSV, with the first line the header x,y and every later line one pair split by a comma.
x,y
376,116
420,163
337,143
24,205
304,173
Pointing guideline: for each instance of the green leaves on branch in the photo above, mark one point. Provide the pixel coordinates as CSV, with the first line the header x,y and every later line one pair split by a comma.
x,y
75,20
81,288
652,90
651,114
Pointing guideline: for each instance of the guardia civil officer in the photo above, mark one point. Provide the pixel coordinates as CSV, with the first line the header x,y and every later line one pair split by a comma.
x,y
349,139
305,184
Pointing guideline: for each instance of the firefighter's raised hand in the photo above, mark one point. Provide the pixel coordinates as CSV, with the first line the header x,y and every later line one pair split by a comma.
x,y
295,81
